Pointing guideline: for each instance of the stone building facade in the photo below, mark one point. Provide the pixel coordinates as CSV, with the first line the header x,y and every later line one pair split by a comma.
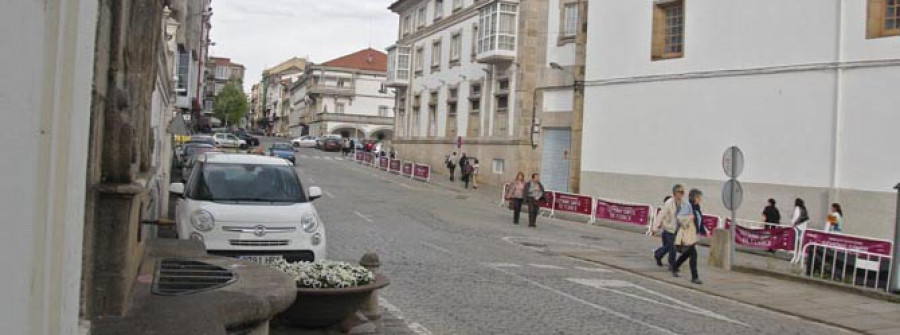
x,y
494,79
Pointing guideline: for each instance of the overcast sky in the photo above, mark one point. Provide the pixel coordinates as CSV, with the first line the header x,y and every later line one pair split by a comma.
x,y
261,34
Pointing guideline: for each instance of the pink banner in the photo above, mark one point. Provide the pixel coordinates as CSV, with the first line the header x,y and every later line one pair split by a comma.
x,y
360,156
775,238
370,158
394,166
627,213
549,198
407,169
710,223
572,203
422,172
851,242
383,163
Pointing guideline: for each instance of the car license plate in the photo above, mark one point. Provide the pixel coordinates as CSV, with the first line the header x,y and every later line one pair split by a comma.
x,y
264,260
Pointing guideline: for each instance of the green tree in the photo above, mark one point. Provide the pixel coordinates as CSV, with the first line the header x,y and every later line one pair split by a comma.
x,y
231,103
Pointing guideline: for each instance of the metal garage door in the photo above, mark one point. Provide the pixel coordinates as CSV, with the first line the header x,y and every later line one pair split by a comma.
x,y
555,158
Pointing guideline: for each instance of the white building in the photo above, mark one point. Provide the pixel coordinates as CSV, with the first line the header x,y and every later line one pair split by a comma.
x,y
807,88
275,94
467,72
344,96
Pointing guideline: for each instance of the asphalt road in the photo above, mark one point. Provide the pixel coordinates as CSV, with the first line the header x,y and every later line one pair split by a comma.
x,y
458,266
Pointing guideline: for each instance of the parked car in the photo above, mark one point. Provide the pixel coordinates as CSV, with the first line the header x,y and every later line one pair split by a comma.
x,y
226,140
251,140
191,156
320,142
194,148
304,142
332,144
283,150
208,139
251,207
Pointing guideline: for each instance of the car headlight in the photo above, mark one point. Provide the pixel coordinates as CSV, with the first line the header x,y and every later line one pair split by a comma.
x,y
202,220
309,223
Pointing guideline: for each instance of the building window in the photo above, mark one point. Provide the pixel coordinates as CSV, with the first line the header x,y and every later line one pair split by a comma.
x,y
457,5
436,56
883,19
420,60
432,114
497,24
383,111
668,30
406,29
503,85
455,48
569,21
219,87
420,20
403,63
221,72
452,97
414,122
184,65
499,166
339,108
342,82
474,41
438,9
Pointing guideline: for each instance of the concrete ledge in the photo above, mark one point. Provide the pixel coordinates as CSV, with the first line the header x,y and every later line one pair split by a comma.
x,y
245,306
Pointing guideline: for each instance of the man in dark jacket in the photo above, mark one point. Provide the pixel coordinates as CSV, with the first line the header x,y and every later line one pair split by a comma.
x,y
771,215
534,193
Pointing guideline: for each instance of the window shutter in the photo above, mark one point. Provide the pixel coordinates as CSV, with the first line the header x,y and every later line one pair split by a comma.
x,y
659,33
875,18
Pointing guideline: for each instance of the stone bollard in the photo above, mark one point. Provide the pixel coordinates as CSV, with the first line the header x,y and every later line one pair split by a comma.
x,y
370,307
719,249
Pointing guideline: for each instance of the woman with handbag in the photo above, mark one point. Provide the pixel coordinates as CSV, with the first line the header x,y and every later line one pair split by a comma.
x,y
515,195
686,237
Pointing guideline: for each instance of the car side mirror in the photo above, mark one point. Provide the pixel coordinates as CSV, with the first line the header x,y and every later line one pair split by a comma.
x,y
314,193
176,188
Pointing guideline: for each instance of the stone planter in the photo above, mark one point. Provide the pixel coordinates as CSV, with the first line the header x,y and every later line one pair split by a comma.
x,y
322,308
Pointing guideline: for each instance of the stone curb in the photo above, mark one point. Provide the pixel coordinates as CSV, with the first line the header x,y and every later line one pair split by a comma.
x,y
887,297
698,288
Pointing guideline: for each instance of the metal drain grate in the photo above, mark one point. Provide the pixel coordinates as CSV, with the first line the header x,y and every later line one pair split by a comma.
x,y
179,276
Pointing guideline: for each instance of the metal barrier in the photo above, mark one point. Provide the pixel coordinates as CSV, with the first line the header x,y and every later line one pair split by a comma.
x,y
831,263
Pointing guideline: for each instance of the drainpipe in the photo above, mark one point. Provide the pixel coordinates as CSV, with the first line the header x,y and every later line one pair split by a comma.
x,y
838,132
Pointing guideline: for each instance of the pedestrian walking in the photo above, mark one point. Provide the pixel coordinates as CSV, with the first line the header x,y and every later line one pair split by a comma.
x,y
534,194
346,148
393,153
352,145
476,169
835,219
465,170
771,215
451,161
515,195
668,222
686,238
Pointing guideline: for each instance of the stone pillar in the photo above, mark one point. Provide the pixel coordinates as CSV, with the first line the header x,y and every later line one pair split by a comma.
x,y
370,308
719,249
578,104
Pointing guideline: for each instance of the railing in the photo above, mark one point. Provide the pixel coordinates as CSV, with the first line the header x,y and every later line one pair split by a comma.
x,y
831,263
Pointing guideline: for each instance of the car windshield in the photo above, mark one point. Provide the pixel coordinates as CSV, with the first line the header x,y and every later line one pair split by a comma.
x,y
282,146
246,183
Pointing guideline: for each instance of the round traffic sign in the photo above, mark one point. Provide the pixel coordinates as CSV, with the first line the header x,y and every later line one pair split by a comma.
x,y
733,162
732,194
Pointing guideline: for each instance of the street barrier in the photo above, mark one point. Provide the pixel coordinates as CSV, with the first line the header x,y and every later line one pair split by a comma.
x,y
383,163
503,200
623,212
710,222
407,169
832,262
573,203
850,242
394,166
370,158
546,205
765,236
422,172
360,156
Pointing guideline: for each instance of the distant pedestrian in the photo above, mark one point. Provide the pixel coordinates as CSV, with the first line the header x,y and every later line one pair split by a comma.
x,y
451,162
476,169
515,195
534,194
801,215
352,145
835,219
465,171
771,215
393,153
346,148
668,221
686,237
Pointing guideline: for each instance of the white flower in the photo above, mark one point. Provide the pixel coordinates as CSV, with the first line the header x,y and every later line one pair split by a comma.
x,y
325,274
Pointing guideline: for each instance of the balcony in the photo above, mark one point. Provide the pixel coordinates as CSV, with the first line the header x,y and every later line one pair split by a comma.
x,y
498,22
346,91
398,66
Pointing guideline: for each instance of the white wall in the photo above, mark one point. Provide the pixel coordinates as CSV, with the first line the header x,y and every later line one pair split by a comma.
x,y
560,100
45,100
563,55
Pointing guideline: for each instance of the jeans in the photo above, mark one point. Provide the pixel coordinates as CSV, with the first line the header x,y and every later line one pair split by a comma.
x,y
533,208
668,247
517,208
690,252
452,172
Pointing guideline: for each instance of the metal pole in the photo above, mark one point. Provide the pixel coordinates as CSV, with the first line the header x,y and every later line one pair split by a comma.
x,y
895,268
733,213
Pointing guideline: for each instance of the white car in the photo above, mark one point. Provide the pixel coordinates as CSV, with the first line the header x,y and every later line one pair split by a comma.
x,y
304,142
251,207
226,140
